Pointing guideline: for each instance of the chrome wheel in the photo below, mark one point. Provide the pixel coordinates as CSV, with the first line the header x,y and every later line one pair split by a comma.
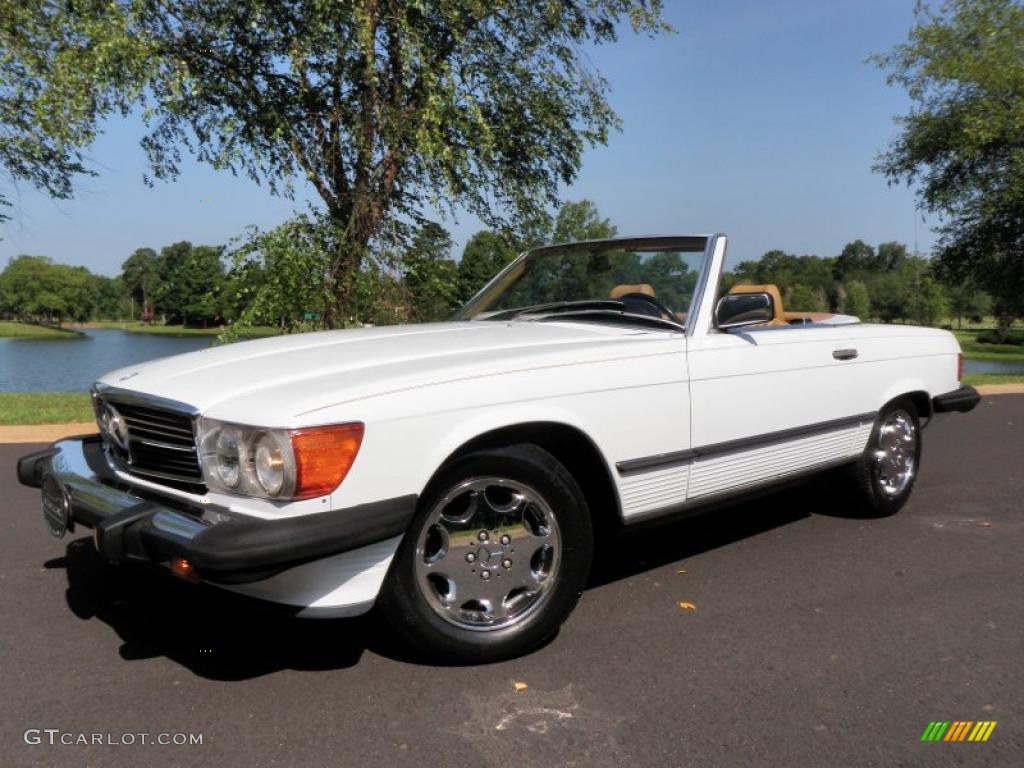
x,y
488,553
895,452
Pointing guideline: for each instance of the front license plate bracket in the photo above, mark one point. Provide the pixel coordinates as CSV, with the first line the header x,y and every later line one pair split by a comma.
x,y
56,507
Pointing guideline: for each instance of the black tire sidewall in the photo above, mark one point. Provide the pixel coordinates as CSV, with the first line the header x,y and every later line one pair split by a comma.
x,y
405,607
879,500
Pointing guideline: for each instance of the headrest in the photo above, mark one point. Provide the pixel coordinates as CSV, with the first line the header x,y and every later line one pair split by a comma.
x,y
622,290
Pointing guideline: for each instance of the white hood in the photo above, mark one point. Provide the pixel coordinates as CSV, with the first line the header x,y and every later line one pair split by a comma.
x,y
272,381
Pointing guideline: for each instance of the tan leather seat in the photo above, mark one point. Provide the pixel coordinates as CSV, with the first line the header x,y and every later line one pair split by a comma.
x,y
621,290
771,289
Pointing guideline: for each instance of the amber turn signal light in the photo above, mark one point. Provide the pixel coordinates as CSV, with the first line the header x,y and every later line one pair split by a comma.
x,y
184,569
323,457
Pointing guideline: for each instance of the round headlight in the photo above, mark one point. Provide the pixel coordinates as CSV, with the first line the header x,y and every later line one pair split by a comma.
x,y
269,461
228,457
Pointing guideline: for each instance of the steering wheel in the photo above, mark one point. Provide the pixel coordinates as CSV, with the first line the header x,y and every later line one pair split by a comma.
x,y
642,304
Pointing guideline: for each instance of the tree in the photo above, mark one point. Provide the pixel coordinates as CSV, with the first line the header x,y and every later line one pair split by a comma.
x,y
277,277
141,274
804,298
431,241
486,253
856,257
889,296
963,66
190,282
111,297
788,270
431,277
381,105
890,256
967,300
34,288
858,301
928,303
21,283
62,67
79,292
581,221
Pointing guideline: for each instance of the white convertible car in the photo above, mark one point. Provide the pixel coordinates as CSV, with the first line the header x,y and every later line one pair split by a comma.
x,y
452,474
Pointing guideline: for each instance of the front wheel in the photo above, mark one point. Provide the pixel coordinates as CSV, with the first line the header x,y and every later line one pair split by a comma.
x,y
495,559
884,477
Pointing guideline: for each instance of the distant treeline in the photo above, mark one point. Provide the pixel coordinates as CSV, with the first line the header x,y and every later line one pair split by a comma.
x,y
280,278
884,283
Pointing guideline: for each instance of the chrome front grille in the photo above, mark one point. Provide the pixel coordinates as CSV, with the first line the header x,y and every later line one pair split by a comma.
x,y
161,442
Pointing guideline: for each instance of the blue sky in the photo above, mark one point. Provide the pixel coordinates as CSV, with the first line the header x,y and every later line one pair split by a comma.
x,y
758,119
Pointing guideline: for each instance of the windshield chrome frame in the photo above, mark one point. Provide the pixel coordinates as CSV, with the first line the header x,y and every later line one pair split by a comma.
x,y
688,243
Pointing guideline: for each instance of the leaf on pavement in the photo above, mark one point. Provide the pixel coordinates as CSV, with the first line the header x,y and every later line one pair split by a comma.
x,y
688,606
520,686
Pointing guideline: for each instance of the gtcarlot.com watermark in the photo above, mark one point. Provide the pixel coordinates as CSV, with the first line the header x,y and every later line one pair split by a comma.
x,y
57,737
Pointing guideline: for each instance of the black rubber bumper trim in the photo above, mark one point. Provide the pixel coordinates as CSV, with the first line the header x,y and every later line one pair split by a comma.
x,y
251,549
960,400
32,467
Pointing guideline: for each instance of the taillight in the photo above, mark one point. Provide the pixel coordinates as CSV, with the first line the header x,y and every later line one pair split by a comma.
x,y
959,366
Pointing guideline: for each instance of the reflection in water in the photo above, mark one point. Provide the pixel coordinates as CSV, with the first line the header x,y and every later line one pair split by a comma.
x,y
74,363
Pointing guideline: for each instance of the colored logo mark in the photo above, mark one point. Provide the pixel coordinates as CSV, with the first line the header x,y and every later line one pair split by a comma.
x,y
959,730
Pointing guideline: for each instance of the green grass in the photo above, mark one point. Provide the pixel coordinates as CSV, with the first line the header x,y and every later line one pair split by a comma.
x,y
178,330
975,350
27,331
976,379
987,323
44,407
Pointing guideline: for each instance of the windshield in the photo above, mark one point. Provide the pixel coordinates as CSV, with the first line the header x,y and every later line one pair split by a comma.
x,y
648,281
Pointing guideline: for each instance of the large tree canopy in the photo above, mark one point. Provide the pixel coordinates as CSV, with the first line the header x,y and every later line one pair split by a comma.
x,y
384,106
63,66
964,141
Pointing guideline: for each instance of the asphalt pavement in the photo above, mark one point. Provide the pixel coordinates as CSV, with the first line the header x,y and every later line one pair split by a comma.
x,y
816,639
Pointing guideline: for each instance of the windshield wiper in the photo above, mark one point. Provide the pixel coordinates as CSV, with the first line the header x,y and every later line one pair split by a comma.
x,y
559,306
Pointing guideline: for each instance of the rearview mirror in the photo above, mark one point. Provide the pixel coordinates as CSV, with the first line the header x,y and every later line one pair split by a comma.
x,y
735,310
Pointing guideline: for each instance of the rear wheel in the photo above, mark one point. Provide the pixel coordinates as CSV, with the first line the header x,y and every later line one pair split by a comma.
x,y
884,477
495,559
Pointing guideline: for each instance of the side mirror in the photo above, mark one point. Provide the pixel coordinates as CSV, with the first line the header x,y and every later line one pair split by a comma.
x,y
735,310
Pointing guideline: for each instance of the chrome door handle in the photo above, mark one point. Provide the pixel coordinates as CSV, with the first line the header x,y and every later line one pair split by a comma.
x,y
844,354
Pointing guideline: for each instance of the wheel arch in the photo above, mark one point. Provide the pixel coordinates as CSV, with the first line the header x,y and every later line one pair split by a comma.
x,y
571,446
912,391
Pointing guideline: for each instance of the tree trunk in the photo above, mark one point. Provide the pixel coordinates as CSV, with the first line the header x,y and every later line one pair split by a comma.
x,y
351,235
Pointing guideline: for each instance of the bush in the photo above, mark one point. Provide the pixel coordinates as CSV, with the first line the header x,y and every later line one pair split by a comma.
x,y
1001,337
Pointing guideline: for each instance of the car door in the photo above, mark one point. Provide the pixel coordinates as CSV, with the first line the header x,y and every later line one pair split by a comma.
x,y
768,402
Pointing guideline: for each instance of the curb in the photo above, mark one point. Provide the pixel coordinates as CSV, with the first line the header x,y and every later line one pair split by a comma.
x,y
1000,389
44,433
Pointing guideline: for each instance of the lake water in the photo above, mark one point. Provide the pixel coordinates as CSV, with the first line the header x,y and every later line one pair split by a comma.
x,y
74,363
992,366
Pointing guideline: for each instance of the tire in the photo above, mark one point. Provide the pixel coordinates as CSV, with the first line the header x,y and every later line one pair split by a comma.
x,y
495,559
882,484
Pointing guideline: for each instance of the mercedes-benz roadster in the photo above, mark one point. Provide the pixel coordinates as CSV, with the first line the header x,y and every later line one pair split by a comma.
x,y
453,474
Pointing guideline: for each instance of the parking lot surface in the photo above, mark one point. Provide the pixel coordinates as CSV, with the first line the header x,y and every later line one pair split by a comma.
x,y
815,639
